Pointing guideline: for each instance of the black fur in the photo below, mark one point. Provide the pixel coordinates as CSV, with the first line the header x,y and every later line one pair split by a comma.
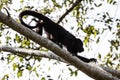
x,y
59,35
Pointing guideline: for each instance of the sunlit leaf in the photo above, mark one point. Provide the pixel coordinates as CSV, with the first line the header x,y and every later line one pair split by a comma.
x,y
10,58
21,1
19,74
17,38
21,59
43,78
29,67
15,66
6,77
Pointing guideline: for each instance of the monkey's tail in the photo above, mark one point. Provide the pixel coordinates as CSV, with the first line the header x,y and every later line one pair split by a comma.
x,y
34,14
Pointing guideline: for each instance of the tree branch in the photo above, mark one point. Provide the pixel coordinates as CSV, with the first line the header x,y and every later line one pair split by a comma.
x,y
18,51
24,52
112,71
91,71
69,10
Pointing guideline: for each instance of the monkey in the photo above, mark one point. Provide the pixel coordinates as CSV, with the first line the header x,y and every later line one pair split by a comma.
x,y
57,34
39,28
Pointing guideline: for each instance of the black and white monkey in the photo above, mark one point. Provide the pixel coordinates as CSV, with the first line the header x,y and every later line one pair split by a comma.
x,y
56,33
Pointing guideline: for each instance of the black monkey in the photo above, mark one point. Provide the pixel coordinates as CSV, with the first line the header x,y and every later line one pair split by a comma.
x,y
58,34
39,28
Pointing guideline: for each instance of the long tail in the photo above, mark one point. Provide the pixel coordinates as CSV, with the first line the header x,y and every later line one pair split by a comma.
x,y
34,14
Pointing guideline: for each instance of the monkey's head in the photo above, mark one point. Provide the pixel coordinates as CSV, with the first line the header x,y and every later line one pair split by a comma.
x,y
78,45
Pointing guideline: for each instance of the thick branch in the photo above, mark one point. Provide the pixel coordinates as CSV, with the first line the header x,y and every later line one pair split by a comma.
x,y
24,52
50,55
69,10
112,71
91,71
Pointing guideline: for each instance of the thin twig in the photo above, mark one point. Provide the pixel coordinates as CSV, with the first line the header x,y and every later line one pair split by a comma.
x,y
69,10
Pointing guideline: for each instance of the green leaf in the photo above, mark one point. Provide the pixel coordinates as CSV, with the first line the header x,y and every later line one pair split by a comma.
x,y
99,56
17,38
8,38
34,69
10,58
98,5
5,77
43,78
110,1
21,1
76,72
86,41
21,59
29,67
15,66
37,74
19,74
98,40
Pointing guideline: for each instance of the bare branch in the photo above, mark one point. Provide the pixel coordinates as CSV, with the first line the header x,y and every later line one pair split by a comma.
x,y
91,71
112,71
69,10
24,52
18,51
